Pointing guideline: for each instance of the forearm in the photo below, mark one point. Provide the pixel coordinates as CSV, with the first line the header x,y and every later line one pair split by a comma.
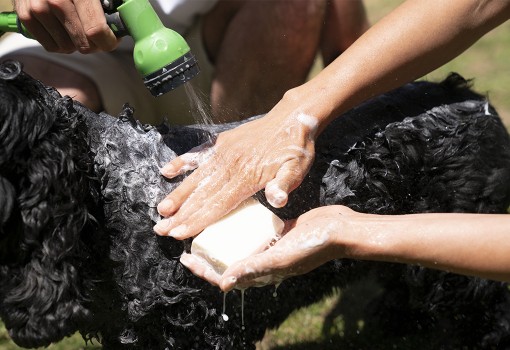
x,y
472,244
413,40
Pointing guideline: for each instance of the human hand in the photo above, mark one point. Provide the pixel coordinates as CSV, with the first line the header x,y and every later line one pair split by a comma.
x,y
307,243
65,26
274,152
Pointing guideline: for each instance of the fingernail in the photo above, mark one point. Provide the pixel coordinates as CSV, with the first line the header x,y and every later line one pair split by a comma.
x,y
165,206
276,196
162,226
185,259
169,170
178,231
228,283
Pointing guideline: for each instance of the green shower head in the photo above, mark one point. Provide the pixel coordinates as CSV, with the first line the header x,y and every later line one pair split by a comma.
x,y
161,55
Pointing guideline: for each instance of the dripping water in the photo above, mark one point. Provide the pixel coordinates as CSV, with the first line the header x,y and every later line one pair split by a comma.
x,y
200,110
242,309
223,314
275,293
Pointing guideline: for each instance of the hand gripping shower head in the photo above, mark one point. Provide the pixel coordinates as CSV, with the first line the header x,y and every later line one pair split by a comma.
x,y
161,55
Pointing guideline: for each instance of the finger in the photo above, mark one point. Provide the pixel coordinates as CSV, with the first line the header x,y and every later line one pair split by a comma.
x,y
297,252
68,16
288,178
95,34
163,226
211,198
178,166
257,270
189,221
275,195
166,207
42,24
200,268
174,200
188,161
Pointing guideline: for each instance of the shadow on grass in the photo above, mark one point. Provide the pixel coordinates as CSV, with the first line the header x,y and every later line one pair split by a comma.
x,y
361,343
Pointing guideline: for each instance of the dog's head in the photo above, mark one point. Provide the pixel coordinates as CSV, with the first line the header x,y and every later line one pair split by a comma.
x,y
43,191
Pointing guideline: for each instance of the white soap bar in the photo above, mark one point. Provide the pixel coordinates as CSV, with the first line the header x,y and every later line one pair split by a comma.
x,y
247,230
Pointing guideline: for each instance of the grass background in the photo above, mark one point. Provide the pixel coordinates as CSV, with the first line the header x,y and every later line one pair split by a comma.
x,y
333,323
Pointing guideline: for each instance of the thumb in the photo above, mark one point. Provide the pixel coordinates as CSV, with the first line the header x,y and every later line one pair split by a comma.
x,y
288,178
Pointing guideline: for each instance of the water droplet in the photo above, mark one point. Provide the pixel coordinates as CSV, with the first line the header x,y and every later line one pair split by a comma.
x,y
275,293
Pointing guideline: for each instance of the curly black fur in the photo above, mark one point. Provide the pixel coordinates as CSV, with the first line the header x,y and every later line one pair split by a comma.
x,y
43,211
78,195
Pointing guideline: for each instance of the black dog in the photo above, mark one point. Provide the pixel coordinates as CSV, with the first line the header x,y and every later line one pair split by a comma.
x,y
78,193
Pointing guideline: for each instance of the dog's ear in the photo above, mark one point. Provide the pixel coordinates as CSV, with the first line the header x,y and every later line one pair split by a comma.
x,y
43,191
9,131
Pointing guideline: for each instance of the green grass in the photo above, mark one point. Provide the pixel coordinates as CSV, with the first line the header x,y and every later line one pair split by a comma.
x,y
334,322
75,342
486,61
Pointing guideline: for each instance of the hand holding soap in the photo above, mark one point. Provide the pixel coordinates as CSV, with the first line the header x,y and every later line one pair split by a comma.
x,y
247,230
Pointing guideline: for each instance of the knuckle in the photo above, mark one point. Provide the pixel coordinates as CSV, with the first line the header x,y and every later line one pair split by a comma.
x,y
56,3
87,49
24,15
37,9
97,32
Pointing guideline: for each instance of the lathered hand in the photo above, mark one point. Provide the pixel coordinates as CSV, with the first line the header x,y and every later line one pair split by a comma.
x,y
272,152
311,241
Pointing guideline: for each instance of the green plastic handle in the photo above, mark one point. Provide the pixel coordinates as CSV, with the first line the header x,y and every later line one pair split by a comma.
x,y
9,23
155,45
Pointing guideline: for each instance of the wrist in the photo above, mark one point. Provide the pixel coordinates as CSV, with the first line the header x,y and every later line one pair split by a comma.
x,y
304,102
367,237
